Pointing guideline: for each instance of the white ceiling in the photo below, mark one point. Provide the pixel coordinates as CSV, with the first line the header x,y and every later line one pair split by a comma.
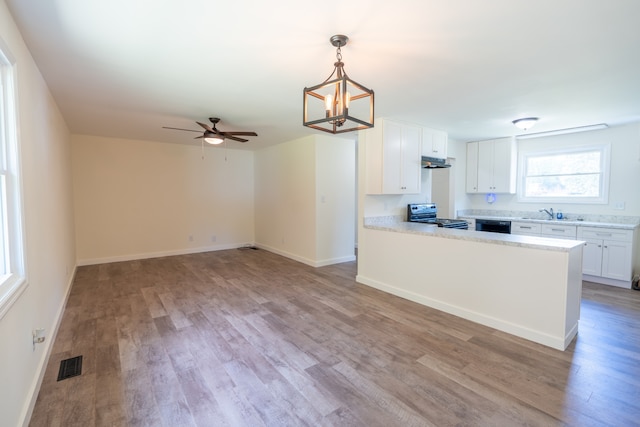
x,y
123,68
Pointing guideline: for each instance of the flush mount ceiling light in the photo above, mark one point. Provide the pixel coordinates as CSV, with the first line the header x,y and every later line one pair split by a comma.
x,y
525,123
338,104
563,131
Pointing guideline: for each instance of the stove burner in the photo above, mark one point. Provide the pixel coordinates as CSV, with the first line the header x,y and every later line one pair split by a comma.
x,y
427,213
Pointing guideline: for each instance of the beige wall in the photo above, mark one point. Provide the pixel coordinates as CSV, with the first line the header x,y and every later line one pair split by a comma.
x,y
48,223
305,199
139,199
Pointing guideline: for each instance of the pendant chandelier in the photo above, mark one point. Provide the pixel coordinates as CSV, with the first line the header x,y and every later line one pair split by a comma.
x,y
338,104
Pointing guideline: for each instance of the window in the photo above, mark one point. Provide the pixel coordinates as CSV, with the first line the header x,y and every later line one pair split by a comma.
x,y
570,175
12,271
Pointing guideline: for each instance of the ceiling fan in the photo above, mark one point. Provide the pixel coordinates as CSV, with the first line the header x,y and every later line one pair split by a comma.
x,y
215,136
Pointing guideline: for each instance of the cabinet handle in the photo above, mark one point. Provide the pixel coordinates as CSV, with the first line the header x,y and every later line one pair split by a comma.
x,y
557,229
600,246
528,228
603,234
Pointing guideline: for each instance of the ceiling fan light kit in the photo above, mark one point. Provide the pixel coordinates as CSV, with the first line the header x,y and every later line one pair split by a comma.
x,y
214,136
338,104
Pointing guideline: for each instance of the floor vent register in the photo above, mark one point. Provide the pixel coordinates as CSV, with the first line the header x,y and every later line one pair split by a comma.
x,y
70,368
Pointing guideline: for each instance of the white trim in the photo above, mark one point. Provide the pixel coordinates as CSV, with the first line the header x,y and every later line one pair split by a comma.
x,y
13,287
160,254
27,410
508,327
605,171
562,131
307,261
15,282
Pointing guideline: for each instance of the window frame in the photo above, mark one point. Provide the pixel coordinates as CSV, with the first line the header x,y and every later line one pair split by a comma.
x,y
605,171
13,280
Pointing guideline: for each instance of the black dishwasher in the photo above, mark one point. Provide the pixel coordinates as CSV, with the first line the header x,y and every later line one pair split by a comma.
x,y
493,226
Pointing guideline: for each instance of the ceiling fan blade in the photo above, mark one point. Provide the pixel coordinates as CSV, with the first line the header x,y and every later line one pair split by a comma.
x,y
198,137
206,127
188,130
234,138
227,132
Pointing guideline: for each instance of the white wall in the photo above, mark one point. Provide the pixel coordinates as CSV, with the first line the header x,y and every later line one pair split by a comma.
x,y
335,199
50,252
305,199
625,174
138,199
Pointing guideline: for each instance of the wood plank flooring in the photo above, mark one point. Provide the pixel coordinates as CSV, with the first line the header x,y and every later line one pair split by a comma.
x,y
249,338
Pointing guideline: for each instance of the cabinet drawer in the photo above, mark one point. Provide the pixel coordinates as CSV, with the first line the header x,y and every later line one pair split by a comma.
x,y
605,234
530,228
557,230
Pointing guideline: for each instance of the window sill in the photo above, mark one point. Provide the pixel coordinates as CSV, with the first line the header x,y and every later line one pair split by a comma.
x,y
11,287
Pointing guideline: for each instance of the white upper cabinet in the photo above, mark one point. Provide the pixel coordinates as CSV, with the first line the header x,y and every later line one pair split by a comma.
x,y
393,153
434,143
472,167
491,166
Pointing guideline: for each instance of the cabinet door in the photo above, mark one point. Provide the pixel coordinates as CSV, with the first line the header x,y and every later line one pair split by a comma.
x,y
472,167
485,167
391,157
592,257
401,158
503,166
434,143
616,260
410,166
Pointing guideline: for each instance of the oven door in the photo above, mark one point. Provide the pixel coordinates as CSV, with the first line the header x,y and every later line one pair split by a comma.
x,y
493,226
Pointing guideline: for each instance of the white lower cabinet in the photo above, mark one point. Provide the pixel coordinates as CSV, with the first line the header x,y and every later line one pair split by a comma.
x,y
559,231
525,228
607,253
592,257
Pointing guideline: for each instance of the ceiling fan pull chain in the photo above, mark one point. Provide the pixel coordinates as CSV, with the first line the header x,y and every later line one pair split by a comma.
x,y
202,148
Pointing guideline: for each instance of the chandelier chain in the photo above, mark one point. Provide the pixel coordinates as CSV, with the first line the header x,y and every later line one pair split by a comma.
x,y
339,54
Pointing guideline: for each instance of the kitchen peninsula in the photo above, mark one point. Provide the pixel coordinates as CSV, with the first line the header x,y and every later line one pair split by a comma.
x,y
523,285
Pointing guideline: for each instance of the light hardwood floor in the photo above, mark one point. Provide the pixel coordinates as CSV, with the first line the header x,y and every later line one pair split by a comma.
x,y
249,338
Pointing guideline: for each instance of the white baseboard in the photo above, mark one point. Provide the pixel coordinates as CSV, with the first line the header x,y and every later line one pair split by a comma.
x,y
148,255
44,361
606,281
559,342
307,261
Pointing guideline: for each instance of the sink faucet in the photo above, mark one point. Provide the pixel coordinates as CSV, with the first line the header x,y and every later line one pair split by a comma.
x,y
549,212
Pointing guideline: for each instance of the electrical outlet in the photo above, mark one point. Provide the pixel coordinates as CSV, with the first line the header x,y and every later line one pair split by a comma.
x,y
191,237
38,337
213,238
618,206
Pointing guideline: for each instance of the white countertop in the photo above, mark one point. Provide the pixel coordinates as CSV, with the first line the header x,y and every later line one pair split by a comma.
x,y
393,224
597,224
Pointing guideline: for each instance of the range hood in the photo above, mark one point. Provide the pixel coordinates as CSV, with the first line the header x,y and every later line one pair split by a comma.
x,y
434,163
